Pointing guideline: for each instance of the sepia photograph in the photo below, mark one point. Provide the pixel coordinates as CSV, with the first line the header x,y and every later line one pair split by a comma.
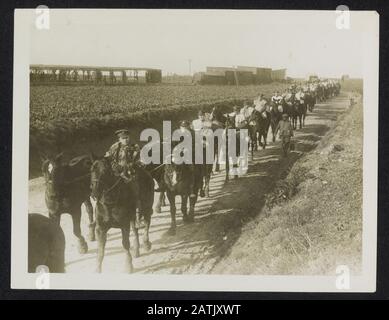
x,y
213,150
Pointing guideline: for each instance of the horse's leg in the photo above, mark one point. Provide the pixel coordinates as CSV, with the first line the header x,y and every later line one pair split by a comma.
x,y
146,241
136,237
163,199
202,179
76,217
266,134
235,167
101,240
92,222
158,206
56,218
206,186
184,207
216,152
263,134
251,145
301,120
172,202
126,246
207,180
256,139
192,203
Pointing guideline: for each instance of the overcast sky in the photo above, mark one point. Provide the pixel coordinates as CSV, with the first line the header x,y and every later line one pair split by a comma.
x,y
303,42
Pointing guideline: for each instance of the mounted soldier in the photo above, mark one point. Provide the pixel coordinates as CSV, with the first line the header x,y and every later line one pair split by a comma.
x,y
198,124
240,119
246,110
124,158
277,100
260,104
186,127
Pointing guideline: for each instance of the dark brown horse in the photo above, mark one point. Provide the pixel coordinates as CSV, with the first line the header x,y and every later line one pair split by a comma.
x,y
116,207
310,100
67,188
275,117
178,180
301,107
258,126
46,244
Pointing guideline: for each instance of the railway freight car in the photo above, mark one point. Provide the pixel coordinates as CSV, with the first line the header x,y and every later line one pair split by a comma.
x,y
213,78
278,75
263,75
239,77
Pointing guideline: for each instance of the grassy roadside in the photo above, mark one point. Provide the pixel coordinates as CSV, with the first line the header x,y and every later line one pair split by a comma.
x,y
312,221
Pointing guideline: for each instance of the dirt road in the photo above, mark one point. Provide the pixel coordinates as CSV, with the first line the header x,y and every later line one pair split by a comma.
x,y
197,247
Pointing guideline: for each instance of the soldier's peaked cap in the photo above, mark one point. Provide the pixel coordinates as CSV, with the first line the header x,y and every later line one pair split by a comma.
x,y
122,133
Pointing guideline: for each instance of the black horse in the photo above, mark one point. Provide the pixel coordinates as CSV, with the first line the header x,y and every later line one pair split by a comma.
x,y
116,207
46,244
301,112
178,180
276,112
258,126
67,188
291,109
181,180
310,100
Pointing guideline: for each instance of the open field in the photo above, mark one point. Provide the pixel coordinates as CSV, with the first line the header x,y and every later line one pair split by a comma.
x,y
81,119
78,105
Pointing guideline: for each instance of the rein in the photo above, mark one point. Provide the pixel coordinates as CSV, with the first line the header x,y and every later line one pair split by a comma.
x,y
50,181
113,186
155,169
77,179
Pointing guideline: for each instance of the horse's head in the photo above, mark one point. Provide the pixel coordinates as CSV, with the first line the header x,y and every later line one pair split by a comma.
x,y
100,174
54,173
230,122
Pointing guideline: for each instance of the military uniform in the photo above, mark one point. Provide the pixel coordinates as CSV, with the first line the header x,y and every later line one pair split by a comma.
x,y
121,156
192,168
276,99
124,159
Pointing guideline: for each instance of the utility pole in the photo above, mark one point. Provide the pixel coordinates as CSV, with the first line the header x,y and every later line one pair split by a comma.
x,y
190,66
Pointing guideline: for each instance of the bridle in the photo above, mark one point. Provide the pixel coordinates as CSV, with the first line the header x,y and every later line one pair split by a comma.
x,y
158,167
110,189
